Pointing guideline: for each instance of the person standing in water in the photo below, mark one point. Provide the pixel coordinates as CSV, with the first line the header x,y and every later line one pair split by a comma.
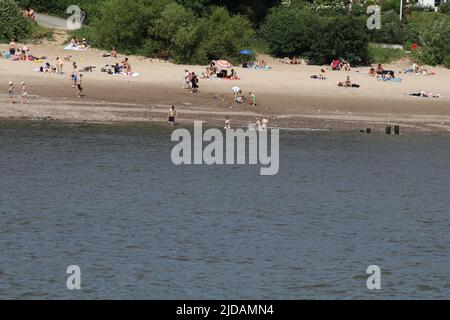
x,y
11,92
265,123
258,124
172,116
24,94
227,123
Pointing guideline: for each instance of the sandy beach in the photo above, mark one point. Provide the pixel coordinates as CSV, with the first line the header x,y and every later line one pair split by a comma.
x,y
286,94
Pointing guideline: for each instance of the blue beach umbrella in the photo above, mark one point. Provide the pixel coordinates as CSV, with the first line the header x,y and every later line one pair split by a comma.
x,y
247,52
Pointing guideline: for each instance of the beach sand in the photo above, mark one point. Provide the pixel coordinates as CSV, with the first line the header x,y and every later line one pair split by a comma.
x,y
286,94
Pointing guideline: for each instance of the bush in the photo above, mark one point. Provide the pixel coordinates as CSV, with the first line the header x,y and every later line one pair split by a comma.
x,y
435,41
393,31
379,54
445,8
13,24
301,32
446,61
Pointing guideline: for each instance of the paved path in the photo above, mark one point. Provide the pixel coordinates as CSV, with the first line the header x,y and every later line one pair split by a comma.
x,y
51,22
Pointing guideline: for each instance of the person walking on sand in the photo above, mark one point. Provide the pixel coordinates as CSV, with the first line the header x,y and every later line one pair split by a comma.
x,y
186,81
24,94
79,88
194,83
227,123
11,92
59,66
252,99
172,116
75,75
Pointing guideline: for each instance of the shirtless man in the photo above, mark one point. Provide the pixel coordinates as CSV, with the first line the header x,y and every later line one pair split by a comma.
x,y
172,116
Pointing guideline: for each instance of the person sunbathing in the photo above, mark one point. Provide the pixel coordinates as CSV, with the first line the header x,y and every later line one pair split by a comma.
x,y
75,42
425,94
233,75
348,83
12,47
335,65
286,60
379,69
127,67
84,44
321,75
345,66
114,53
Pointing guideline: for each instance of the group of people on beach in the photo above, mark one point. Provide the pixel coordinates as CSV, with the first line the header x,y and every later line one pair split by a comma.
x,y
190,81
260,124
81,44
240,99
12,93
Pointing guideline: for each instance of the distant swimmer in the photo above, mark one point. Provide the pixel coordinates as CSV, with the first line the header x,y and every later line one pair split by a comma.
x,y
172,116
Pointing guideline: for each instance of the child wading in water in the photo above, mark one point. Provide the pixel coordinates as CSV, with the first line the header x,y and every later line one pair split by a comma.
x,y
24,94
11,92
172,116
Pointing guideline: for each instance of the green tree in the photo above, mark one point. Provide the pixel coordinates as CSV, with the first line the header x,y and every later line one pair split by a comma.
x,y
435,42
298,31
12,22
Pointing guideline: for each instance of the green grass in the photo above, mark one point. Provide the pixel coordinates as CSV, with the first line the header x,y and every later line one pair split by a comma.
x,y
422,17
39,33
379,54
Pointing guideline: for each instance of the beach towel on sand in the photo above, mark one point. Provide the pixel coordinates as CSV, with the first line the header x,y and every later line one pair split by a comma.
x,y
70,47
390,79
123,74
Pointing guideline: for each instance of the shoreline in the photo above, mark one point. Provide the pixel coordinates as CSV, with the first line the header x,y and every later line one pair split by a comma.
x,y
88,111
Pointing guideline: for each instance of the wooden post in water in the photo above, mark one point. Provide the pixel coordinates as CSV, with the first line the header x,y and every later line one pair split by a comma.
x,y
388,130
397,129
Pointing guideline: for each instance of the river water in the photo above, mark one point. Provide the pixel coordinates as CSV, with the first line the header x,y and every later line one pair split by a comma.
x,y
109,200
